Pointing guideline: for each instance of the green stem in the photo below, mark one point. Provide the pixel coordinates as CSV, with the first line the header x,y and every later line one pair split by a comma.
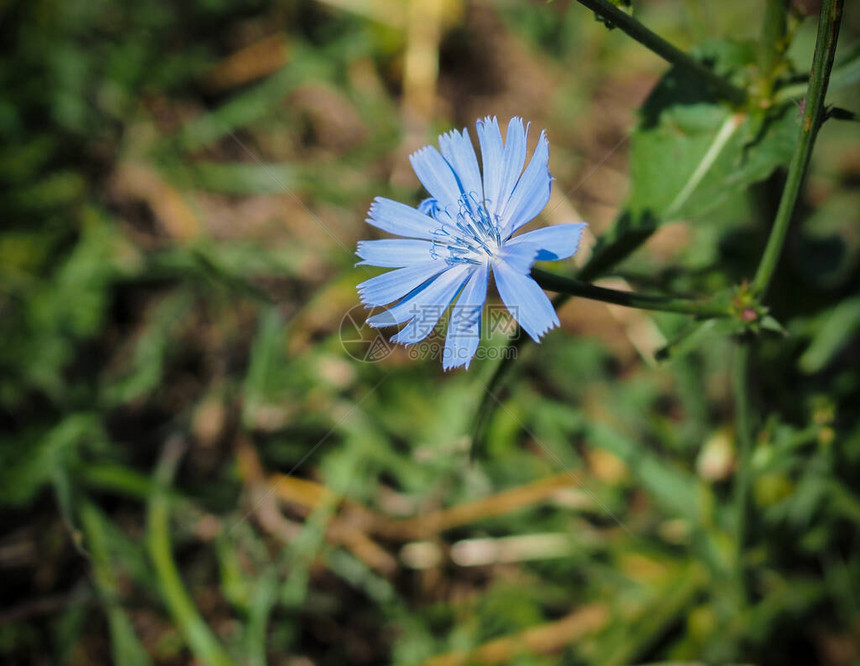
x,y
665,50
772,43
564,285
813,113
743,476
201,640
126,648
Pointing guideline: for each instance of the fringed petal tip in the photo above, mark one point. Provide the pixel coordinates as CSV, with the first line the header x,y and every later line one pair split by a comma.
x,y
448,364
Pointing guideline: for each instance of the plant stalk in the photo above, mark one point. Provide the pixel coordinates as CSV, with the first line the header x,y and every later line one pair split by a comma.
x,y
203,643
772,43
570,286
743,476
813,114
665,50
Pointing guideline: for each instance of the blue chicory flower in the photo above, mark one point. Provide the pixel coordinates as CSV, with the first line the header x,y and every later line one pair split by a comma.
x,y
460,234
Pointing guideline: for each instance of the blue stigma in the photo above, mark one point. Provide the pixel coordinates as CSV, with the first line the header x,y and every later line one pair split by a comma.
x,y
473,238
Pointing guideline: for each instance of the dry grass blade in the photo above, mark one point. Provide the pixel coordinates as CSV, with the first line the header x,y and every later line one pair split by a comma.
x,y
544,639
251,63
496,505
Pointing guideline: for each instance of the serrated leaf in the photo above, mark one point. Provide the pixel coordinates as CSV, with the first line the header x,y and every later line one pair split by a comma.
x,y
697,157
691,154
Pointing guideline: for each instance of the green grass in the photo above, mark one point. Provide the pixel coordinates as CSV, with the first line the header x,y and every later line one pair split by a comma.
x,y
194,467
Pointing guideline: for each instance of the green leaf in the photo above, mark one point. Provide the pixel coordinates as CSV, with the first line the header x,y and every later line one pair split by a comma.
x,y
242,178
126,647
692,155
691,337
263,382
769,323
622,239
838,327
672,488
671,159
255,103
145,371
24,470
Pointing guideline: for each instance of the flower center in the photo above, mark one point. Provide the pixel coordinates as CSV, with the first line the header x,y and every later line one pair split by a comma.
x,y
471,236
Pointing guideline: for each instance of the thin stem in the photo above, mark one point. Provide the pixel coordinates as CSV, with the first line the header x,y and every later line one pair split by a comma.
x,y
772,43
629,299
490,399
743,477
126,648
813,113
200,638
568,287
665,50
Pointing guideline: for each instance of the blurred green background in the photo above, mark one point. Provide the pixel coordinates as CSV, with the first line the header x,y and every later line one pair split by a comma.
x,y
195,469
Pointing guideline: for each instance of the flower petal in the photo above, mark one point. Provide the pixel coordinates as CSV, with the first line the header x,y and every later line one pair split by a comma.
x,y
526,301
437,176
531,193
464,329
458,150
422,325
502,165
516,144
550,243
492,157
397,218
546,244
521,258
393,285
434,295
394,252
